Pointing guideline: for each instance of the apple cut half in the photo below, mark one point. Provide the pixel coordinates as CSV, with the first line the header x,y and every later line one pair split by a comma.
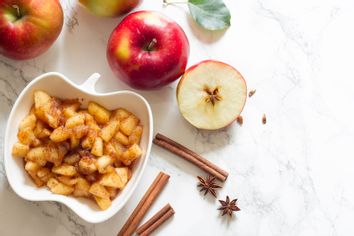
x,y
211,95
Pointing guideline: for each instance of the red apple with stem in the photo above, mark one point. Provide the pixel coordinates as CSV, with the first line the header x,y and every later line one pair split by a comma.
x,y
148,50
28,27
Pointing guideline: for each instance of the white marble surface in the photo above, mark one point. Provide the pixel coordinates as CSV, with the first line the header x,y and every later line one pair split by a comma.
x,y
292,176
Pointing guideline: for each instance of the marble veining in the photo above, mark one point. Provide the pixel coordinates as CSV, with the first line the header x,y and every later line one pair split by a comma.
x,y
292,176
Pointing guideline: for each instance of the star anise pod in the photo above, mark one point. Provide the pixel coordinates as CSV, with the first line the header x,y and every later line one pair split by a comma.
x,y
208,185
228,207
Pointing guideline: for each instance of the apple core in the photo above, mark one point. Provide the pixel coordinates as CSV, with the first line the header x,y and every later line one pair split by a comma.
x,y
213,95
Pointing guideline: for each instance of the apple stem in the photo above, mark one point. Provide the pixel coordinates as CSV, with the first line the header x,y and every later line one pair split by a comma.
x,y
175,1
19,15
151,45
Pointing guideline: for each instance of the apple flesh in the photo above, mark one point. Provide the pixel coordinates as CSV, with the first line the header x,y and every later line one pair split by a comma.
x,y
211,95
109,8
28,27
148,50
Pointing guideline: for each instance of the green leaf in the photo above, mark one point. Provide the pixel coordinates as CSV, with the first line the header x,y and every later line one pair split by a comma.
x,y
210,14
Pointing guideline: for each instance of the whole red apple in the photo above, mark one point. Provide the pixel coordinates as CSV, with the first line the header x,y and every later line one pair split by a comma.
x,y
28,27
148,50
110,8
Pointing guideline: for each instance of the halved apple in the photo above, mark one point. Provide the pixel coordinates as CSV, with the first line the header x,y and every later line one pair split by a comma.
x,y
211,95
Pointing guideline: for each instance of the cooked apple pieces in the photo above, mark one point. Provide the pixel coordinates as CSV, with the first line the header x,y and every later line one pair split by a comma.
x,y
80,152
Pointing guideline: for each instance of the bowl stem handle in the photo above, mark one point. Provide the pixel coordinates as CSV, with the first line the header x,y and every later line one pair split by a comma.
x,y
90,84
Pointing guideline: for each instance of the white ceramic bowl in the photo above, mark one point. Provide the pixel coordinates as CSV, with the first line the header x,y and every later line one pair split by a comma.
x,y
58,85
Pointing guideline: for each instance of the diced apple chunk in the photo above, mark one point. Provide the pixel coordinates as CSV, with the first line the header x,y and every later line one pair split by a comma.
x,y
103,203
109,130
87,165
99,190
82,187
31,166
103,162
44,174
131,154
60,134
69,110
128,125
67,180
26,136
20,150
121,114
112,180
124,174
59,188
121,138
136,135
72,159
112,192
37,181
28,122
97,148
52,155
66,170
100,113
37,155
75,120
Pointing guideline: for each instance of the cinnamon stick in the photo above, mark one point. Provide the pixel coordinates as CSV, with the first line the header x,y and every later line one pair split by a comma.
x,y
158,219
144,205
190,156
197,156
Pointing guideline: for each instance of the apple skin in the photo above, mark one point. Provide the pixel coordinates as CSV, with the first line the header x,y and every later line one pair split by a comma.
x,y
134,63
34,32
109,8
185,75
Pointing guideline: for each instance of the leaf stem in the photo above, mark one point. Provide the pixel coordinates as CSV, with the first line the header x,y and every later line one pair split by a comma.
x,y
175,1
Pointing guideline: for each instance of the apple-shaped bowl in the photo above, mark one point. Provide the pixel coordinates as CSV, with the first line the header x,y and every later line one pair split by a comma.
x,y
60,86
